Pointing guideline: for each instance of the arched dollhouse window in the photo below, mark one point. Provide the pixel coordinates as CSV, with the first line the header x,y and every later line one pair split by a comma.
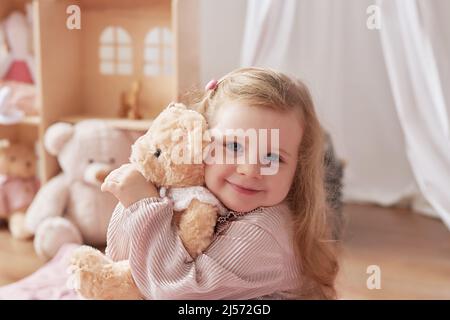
x,y
158,52
116,53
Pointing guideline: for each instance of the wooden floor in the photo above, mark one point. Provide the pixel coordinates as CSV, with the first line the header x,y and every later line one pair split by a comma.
x,y
17,258
412,251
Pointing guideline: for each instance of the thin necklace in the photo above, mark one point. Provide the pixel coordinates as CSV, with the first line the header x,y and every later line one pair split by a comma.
x,y
223,222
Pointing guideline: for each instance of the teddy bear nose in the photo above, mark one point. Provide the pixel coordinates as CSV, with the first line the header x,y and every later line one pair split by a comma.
x,y
101,175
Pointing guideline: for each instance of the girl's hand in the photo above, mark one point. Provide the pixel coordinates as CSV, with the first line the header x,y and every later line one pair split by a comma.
x,y
128,185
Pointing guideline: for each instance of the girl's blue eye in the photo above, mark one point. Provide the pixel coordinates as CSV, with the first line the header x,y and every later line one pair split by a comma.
x,y
234,146
273,157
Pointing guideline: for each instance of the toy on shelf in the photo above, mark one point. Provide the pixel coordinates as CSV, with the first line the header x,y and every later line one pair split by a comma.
x,y
17,69
70,207
18,185
129,107
18,63
17,100
196,209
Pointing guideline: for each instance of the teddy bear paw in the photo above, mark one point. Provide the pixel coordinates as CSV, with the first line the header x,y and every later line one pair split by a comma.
x,y
85,269
86,257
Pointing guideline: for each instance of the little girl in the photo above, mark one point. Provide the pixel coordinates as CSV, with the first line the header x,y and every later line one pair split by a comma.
x,y
278,245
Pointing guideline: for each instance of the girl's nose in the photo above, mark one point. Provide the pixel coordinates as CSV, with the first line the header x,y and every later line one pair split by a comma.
x,y
250,170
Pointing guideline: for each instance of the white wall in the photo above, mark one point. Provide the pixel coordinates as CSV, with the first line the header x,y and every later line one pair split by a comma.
x,y
222,28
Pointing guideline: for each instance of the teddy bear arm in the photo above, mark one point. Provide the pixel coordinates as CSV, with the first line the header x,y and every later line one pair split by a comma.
x,y
118,283
50,201
196,226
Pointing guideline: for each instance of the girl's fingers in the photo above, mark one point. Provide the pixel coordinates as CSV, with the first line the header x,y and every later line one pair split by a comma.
x,y
122,182
105,187
118,174
112,179
110,186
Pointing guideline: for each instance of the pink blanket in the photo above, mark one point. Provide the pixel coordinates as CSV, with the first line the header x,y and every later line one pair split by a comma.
x,y
47,283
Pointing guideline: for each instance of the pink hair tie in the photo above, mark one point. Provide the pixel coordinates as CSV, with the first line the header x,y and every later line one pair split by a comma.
x,y
212,85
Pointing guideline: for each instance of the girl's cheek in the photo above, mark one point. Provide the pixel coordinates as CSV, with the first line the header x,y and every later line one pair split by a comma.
x,y
211,173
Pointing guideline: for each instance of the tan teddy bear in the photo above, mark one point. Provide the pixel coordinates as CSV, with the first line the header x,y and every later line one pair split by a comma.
x,y
170,155
18,185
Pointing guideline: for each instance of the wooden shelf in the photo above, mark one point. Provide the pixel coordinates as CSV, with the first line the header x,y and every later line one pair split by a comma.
x,y
124,124
29,120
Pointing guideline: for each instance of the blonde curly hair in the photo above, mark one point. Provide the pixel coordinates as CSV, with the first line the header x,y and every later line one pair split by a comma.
x,y
316,251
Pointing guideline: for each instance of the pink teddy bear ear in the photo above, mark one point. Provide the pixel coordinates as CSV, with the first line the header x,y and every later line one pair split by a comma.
x,y
57,136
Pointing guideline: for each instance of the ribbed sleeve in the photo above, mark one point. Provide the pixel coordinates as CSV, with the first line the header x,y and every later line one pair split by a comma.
x,y
246,261
118,237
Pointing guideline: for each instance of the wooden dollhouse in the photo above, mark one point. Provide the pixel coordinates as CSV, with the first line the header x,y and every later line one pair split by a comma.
x,y
86,72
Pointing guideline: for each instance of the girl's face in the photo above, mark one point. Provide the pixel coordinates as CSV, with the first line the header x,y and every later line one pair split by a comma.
x,y
242,185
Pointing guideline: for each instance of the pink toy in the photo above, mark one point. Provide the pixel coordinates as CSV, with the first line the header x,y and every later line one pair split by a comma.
x,y
18,65
16,194
18,185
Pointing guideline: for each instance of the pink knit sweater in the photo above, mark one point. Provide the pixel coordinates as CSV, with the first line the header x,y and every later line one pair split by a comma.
x,y
252,258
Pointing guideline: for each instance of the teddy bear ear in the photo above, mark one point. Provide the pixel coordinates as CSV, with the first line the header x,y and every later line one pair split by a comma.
x,y
56,137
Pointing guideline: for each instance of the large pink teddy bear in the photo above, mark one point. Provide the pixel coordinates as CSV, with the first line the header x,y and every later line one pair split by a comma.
x,y
70,208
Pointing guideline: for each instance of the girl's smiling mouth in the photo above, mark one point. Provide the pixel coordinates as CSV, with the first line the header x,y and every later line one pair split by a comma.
x,y
243,190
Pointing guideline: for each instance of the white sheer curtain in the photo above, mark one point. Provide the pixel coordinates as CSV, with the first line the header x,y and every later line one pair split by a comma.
x,y
329,46
268,31
419,98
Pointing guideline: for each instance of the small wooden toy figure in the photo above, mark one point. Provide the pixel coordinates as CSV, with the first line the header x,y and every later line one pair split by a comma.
x,y
130,102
